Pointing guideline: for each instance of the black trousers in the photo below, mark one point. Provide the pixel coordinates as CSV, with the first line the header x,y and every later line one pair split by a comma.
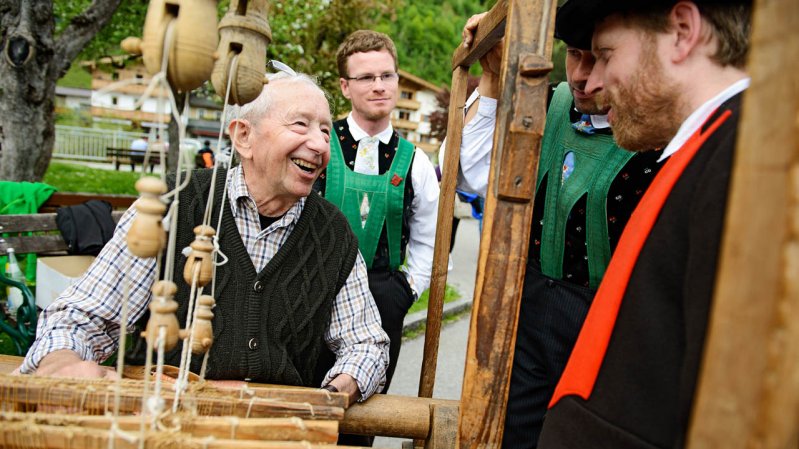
x,y
551,315
393,297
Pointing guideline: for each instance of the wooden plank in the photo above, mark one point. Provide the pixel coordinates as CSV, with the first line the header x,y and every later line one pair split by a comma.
x,y
28,223
443,427
91,397
503,246
22,434
39,244
280,429
51,243
490,31
748,394
59,199
446,200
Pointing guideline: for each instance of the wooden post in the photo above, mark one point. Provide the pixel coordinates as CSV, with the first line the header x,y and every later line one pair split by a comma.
x,y
506,224
491,30
748,393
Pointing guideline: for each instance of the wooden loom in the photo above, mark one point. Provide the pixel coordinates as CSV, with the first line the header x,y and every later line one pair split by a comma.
x,y
749,389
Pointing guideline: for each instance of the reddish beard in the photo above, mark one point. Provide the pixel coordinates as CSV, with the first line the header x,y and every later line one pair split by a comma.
x,y
645,111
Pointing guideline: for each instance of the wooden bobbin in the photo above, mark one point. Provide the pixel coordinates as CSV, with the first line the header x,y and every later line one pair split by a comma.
x,y
244,33
191,53
203,332
162,314
146,237
201,249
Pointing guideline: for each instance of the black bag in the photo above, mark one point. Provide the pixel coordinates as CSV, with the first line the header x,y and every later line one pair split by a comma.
x,y
86,227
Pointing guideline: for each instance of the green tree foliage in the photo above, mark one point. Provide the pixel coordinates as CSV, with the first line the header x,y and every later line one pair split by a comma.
x,y
307,33
427,32
128,20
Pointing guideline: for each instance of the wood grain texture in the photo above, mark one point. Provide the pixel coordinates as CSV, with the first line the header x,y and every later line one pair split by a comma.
x,y
506,224
748,393
446,200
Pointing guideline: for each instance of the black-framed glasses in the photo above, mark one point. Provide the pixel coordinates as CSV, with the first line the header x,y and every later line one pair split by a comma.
x,y
365,80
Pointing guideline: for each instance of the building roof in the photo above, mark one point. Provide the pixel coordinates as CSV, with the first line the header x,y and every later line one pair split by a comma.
x,y
421,82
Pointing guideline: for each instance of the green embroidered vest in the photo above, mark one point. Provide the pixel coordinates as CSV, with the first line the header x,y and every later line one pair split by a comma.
x,y
597,161
347,189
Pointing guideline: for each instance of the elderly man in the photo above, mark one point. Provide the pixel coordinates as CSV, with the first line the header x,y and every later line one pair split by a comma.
x,y
672,73
294,278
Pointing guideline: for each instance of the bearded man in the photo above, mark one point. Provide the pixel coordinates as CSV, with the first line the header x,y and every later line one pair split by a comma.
x,y
672,74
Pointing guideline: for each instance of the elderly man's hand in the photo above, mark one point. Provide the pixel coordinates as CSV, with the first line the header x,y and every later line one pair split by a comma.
x,y
66,363
345,383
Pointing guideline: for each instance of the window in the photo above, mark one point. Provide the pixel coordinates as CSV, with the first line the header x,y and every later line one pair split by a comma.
x,y
404,115
406,95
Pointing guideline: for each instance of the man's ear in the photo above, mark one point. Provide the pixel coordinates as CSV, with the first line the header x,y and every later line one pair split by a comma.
x,y
240,131
688,28
345,88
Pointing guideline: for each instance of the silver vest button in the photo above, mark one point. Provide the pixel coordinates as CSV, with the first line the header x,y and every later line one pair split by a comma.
x,y
252,344
258,286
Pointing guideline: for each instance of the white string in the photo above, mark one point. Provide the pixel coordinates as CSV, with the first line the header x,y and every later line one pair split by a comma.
x,y
185,355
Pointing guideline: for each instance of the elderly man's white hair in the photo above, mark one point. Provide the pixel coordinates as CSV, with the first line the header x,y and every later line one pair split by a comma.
x,y
258,108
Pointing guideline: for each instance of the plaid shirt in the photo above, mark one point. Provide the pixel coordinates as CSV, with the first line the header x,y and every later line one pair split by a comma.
x,y
86,317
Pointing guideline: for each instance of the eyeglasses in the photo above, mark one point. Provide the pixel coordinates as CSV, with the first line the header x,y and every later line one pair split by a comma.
x,y
370,79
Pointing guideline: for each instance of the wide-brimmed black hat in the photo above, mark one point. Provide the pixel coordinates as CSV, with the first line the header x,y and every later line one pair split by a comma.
x,y
574,23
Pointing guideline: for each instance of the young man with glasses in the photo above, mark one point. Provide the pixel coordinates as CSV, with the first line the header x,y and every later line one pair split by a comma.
x,y
386,188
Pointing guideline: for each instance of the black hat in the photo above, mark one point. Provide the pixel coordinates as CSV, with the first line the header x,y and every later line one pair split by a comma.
x,y
574,23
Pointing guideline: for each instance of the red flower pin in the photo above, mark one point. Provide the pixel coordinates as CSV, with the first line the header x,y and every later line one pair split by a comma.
x,y
396,180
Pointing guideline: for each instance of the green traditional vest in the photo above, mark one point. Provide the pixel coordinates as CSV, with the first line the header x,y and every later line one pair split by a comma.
x,y
347,189
597,161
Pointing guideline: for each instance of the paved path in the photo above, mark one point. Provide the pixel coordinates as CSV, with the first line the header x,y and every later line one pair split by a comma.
x,y
452,348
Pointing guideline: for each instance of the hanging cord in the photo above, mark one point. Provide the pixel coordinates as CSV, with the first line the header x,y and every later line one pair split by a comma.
x,y
185,363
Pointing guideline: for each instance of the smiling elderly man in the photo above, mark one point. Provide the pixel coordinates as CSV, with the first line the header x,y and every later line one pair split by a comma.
x,y
294,277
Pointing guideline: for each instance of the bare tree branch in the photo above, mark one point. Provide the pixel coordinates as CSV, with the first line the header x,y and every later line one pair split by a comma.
x,y
80,31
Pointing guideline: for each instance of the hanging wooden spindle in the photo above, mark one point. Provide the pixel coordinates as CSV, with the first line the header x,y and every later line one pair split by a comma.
x,y
162,314
191,51
147,237
201,249
245,34
203,332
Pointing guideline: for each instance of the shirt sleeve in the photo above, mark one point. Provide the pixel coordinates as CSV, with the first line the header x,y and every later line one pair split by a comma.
x,y
355,335
86,318
422,223
476,145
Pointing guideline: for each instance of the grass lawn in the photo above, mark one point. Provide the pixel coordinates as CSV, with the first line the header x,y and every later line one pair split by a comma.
x,y
74,177
449,295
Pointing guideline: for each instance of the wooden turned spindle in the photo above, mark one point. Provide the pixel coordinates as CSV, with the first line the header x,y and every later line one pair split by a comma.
x,y
201,250
203,332
146,237
162,314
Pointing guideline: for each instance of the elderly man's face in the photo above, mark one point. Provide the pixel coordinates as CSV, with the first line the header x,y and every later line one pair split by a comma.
x,y
291,143
645,104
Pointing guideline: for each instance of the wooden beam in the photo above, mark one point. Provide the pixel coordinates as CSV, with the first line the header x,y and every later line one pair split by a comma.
x,y
490,31
748,393
506,223
446,199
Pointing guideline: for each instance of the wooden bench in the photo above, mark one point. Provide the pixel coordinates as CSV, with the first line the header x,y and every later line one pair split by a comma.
x,y
119,156
46,239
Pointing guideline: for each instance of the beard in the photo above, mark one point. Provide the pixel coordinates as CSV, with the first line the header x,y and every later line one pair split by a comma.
x,y
646,112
